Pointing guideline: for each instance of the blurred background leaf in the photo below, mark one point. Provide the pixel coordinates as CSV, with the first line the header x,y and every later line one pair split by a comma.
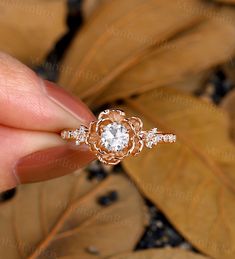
x,y
70,216
90,6
130,47
29,29
228,105
193,181
226,1
160,254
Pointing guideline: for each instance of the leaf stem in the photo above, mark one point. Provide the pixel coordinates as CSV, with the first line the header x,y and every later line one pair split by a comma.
x,y
48,239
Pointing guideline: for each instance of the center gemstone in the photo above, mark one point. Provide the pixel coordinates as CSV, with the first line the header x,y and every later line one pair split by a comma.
x,y
115,137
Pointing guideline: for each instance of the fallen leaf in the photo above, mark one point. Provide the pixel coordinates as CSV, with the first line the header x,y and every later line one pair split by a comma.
x,y
166,253
90,6
130,47
192,83
191,55
63,218
229,69
29,29
193,180
226,1
228,104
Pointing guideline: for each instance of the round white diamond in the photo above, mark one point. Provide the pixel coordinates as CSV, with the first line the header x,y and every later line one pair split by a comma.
x,y
115,137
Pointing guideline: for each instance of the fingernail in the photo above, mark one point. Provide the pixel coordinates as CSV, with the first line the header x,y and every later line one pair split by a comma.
x,y
68,102
52,162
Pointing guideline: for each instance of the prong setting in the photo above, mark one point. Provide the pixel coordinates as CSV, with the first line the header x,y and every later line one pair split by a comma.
x,y
113,136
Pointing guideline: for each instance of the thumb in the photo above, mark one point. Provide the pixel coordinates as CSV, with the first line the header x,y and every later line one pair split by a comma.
x,y
32,112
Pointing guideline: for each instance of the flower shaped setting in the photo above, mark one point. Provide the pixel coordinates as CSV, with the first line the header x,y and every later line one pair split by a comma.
x,y
114,137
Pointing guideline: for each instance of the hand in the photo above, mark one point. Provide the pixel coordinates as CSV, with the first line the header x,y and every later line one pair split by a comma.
x,y
32,113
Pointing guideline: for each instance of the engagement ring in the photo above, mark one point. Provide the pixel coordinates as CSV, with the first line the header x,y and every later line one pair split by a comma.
x,y
113,136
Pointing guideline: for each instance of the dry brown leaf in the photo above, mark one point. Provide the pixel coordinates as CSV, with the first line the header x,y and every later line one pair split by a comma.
x,y
229,69
29,29
116,33
62,218
90,6
133,46
192,54
166,253
192,83
192,181
228,104
226,1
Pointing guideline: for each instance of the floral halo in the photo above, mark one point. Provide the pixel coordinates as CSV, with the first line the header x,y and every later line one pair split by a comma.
x,y
133,126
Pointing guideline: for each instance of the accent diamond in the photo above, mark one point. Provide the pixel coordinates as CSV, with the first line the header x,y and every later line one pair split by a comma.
x,y
151,138
115,137
80,135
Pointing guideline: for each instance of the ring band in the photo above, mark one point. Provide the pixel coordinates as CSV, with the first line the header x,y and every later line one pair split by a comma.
x,y
113,136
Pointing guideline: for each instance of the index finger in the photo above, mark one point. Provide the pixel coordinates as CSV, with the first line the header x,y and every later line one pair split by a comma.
x,y
28,102
32,111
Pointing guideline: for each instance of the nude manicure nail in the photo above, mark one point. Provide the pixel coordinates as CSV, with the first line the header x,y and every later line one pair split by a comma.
x,y
46,164
69,103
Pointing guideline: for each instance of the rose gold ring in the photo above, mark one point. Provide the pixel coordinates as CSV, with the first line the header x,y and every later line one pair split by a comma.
x,y
113,136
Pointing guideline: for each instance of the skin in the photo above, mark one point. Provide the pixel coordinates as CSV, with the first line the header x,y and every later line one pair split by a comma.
x,y
32,113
